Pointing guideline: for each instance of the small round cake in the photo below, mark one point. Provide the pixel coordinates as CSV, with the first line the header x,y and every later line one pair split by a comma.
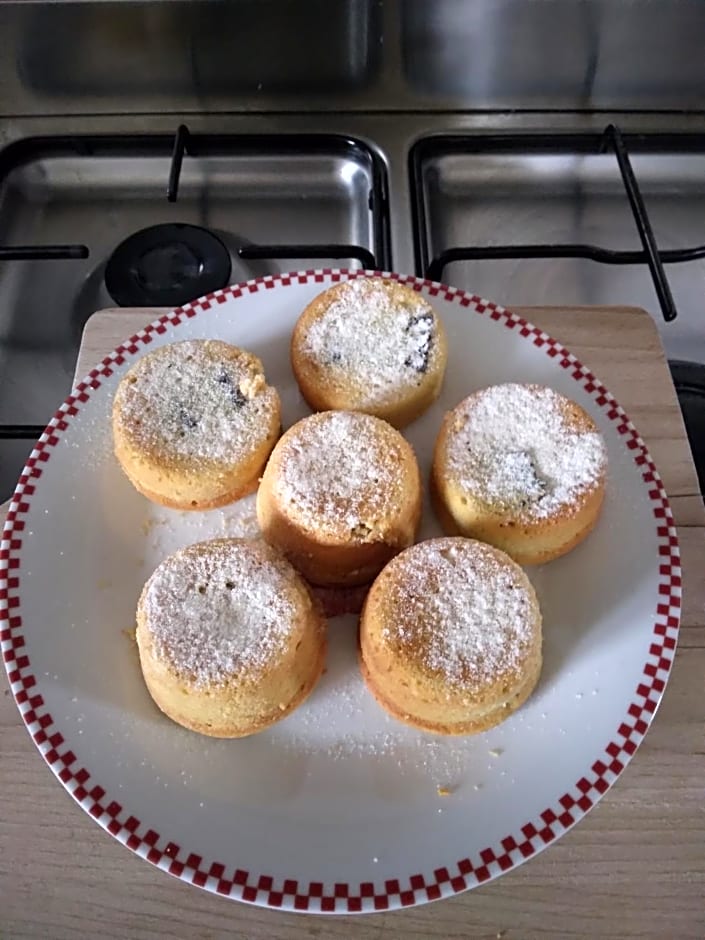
x,y
450,636
521,467
341,494
370,345
194,423
230,639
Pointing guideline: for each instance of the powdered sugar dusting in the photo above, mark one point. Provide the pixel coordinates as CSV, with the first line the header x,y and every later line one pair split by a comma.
x,y
513,447
383,340
343,468
220,608
194,399
342,722
460,610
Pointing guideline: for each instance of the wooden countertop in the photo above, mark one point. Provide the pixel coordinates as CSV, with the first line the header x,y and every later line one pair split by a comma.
x,y
634,867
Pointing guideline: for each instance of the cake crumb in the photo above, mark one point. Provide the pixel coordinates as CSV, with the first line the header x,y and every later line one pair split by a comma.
x,y
444,791
496,752
130,633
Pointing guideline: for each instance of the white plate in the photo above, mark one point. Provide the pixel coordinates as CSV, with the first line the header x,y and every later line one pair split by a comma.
x,y
337,807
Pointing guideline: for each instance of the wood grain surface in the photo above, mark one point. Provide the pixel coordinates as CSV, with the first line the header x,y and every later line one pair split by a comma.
x,y
633,868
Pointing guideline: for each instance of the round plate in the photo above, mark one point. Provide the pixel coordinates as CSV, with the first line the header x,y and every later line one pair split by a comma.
x,y
338,808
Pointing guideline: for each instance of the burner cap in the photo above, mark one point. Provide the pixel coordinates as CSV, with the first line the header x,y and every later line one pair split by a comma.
x,y
166,266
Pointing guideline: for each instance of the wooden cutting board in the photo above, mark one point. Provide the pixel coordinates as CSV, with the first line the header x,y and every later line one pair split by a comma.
x,y
633,868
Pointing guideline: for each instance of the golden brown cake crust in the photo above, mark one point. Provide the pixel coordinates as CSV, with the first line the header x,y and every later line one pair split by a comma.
x,y
223,500
341,494
370,345
230,638
450,636
522,468
493,717
194,422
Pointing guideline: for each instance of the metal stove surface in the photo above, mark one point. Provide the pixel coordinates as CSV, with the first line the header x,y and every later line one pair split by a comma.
x,y
555,196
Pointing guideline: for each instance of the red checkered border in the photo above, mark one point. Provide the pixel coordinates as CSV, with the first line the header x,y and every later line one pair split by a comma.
x,y
317,896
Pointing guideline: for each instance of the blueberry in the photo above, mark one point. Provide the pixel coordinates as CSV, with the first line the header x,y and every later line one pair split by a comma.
x,y
418,359
236,396
187,420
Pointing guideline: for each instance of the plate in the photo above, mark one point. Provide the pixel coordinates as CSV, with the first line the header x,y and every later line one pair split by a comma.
x,y
338,808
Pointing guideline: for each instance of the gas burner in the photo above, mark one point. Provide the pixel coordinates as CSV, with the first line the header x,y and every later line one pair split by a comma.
x,y
166,266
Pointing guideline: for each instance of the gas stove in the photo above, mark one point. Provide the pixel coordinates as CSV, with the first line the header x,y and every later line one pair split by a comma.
x,y
88,220
411,143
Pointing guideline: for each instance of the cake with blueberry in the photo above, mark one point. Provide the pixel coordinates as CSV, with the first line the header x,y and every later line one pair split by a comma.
x,y
194,423
340,496
370,345
521,467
